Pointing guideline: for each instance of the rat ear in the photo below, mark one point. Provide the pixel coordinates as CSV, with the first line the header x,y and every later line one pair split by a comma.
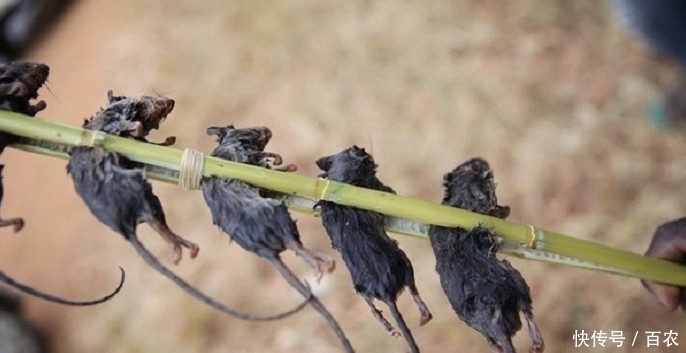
x,y
356,149
111,98
447,178
215,131
324,163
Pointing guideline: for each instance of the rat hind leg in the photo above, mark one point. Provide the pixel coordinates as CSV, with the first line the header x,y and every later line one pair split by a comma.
x,y
498,339
495,347
403,326
175,240
423,309
379,317
153,214
321,263
277,157
538,345
305,291
17,223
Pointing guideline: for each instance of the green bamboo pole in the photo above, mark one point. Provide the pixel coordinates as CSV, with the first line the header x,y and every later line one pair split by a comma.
x,y
407,216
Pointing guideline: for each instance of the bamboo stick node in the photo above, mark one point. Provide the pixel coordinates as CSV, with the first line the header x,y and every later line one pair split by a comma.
x,y
97,138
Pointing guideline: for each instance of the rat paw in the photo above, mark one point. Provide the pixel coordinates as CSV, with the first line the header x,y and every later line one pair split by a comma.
x,y
324,265
18,224
178,250
289,168
425,318
167,142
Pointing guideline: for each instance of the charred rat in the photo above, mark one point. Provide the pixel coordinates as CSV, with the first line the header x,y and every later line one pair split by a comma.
x,y
486,293
257,223
117,193
19,85
379,268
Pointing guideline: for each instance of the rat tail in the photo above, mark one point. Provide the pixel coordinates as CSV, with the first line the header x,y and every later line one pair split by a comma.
x,y
55,299
303,289
150,259
403,327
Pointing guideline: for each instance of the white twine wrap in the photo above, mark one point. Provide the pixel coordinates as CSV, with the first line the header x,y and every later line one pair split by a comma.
x,y
190,172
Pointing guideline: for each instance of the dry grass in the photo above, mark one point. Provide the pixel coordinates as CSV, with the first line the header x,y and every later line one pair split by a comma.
x,y
553,94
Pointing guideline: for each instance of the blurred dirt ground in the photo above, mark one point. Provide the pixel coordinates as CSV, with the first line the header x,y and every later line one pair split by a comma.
x,y
554,94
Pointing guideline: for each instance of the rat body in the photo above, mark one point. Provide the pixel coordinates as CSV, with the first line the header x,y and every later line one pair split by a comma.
x,y
19,85
486,293
378,267
118,195
257,223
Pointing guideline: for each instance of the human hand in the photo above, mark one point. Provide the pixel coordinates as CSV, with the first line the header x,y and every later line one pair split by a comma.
x,y
668,243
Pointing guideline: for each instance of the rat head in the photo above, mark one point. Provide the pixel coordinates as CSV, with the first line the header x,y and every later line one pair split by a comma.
x,y
26,76
150,111
352,166
19,83
131,116
248,138
470,186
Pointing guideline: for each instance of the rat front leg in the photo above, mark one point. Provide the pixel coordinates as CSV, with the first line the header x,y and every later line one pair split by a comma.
x,y
35,108
499,212
14,89
277,157
288,168
137,130
379,317
538,345
423,309
170,140
257,159
321,263
134,129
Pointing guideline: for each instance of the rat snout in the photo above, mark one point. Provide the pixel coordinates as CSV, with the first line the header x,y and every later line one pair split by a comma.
x,y
40,73
164,106
265,136
266,133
